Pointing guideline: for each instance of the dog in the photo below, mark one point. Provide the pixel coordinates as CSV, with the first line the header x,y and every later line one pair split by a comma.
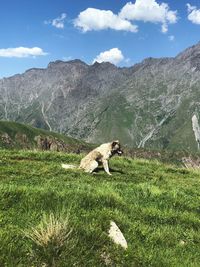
x,y
97,156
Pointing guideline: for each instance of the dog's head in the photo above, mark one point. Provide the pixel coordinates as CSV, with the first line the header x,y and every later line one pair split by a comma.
x,y
116,148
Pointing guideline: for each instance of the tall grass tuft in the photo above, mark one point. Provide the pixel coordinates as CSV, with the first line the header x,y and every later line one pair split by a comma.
x,y
49,239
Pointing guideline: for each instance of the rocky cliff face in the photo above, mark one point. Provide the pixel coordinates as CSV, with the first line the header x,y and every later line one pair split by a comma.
x,y
148,105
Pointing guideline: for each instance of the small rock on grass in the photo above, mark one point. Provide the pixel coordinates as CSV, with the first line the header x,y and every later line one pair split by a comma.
x,y
116,235
182,243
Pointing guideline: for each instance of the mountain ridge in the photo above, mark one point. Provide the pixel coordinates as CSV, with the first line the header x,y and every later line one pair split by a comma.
x,y
150,104
15,136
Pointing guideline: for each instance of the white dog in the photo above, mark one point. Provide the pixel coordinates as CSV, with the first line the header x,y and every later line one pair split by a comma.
x,y
99,155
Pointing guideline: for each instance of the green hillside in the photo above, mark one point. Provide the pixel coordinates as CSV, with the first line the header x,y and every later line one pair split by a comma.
x,y
53,217
20,136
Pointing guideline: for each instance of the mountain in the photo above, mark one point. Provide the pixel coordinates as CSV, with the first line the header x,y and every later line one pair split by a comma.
x,y
19,136
153,104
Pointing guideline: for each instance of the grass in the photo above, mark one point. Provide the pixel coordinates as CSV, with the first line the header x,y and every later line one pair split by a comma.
x,y
155,205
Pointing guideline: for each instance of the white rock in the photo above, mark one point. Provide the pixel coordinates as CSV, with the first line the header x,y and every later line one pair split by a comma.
x,y
196,129
182,243
116,235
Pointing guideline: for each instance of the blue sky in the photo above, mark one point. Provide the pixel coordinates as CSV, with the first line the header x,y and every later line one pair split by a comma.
x,y
35,32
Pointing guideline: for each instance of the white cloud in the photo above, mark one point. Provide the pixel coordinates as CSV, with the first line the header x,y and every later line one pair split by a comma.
x,y
21,52
127,60
96,19
193,14
164,28
58,22
171,38
67,58
190,7
149,11
113,55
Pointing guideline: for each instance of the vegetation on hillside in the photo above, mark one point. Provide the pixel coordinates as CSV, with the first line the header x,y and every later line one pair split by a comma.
x,y
53,217
20,136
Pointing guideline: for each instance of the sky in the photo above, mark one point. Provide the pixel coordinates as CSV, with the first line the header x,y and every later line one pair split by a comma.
x,y
36,32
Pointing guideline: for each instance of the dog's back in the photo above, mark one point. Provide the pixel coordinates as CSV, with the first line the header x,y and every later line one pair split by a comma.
x,y
86,161
102,151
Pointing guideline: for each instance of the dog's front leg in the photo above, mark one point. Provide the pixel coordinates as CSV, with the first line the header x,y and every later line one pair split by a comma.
x,y
105,165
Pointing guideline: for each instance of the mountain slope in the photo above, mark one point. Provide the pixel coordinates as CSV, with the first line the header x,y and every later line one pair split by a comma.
x,y
148,105
19,136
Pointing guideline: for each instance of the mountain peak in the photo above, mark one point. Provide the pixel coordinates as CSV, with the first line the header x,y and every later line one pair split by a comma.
x,y
103,65
61,63
190,52
148,105
76,61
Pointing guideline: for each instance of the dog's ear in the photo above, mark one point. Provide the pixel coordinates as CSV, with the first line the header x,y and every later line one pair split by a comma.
x,y
114,143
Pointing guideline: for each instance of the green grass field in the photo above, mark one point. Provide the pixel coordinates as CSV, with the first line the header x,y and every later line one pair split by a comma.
x,y
53,217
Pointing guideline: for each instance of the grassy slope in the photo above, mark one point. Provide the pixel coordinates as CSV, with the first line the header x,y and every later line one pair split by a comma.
x,y
156,206
13,128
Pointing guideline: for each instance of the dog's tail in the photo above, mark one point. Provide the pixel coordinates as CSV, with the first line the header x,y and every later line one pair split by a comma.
x,y
69,166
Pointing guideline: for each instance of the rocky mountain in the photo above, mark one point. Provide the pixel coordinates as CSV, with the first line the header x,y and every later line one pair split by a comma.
x,y
153,104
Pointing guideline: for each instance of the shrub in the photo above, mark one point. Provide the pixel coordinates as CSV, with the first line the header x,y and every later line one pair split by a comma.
x,y
49,238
